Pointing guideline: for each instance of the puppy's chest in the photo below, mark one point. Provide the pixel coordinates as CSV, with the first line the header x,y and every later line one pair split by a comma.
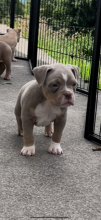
x,y
45,113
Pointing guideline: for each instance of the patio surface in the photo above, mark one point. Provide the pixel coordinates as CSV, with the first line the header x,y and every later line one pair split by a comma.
x,y
46,186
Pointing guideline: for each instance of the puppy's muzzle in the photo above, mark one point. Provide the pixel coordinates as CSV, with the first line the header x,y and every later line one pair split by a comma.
x,y
67,95
68,98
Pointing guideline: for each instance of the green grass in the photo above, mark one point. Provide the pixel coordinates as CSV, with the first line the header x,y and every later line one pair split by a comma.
x,y
62,49
76,49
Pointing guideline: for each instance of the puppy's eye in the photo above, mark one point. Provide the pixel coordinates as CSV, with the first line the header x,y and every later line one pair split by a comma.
x,y
74,84
54,85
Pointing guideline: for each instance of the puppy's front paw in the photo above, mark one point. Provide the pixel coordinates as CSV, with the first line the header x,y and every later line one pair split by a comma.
x,y
28,151
6,78
55,148
14,60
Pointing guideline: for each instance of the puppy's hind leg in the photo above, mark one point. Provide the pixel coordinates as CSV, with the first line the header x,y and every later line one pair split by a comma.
x,y
7,76
13,58
8,72
49,130
7,62
18,116
19,123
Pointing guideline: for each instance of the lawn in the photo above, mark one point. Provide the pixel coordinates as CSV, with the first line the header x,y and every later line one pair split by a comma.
x,y
75,49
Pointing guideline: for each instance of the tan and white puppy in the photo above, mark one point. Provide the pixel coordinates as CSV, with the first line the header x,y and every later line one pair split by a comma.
x,y
5,59
11,38
43,101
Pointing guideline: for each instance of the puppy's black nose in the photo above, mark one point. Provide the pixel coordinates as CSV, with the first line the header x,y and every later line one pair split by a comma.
x,y
68,95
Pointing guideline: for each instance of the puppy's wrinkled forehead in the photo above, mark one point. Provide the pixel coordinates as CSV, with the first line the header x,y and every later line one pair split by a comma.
x,y
62,72
45,73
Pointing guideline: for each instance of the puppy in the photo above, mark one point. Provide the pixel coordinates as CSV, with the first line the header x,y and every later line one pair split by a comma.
x,y
11,38
5,59
43,101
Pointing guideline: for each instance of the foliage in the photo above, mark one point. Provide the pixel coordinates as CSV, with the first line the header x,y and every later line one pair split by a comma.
x,y
5,8
19,8
27,7
76,49
63,14
68,33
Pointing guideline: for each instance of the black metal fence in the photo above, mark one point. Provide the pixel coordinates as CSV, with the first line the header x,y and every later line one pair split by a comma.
x,y
16,14
61,31
53,31
66,35
93,117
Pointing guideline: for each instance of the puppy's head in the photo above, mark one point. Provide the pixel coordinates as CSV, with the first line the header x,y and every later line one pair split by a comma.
x,y
17,32
58,83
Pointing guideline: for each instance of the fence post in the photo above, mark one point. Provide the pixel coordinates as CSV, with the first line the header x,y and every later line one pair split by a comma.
x,y
91,106
33,32
12,13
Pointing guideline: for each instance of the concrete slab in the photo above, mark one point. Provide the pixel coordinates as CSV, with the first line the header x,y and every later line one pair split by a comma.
x,y
45,185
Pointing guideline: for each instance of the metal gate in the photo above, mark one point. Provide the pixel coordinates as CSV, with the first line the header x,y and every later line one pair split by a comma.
x,y
93,117
16,14
61,31
54,31
22,14
66,35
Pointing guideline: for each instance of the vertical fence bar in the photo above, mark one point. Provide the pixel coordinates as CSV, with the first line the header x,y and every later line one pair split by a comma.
x,y
33,32
12,13
91,106
30,29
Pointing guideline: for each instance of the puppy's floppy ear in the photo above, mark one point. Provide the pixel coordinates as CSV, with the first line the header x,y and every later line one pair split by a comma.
x,y
40,73
19,30
75,70
8,30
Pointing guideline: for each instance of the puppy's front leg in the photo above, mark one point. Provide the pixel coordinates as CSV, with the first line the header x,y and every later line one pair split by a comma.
x,y
29,146
13,59
8,73
59,124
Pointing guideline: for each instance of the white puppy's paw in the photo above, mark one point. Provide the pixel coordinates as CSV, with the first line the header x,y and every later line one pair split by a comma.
x,y
28,151
55,148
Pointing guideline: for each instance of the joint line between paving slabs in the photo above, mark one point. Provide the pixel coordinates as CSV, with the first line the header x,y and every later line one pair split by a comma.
x,y
62,218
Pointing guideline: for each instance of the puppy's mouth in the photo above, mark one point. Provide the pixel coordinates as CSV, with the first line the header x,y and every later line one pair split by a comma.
x,y
66,103
63,101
